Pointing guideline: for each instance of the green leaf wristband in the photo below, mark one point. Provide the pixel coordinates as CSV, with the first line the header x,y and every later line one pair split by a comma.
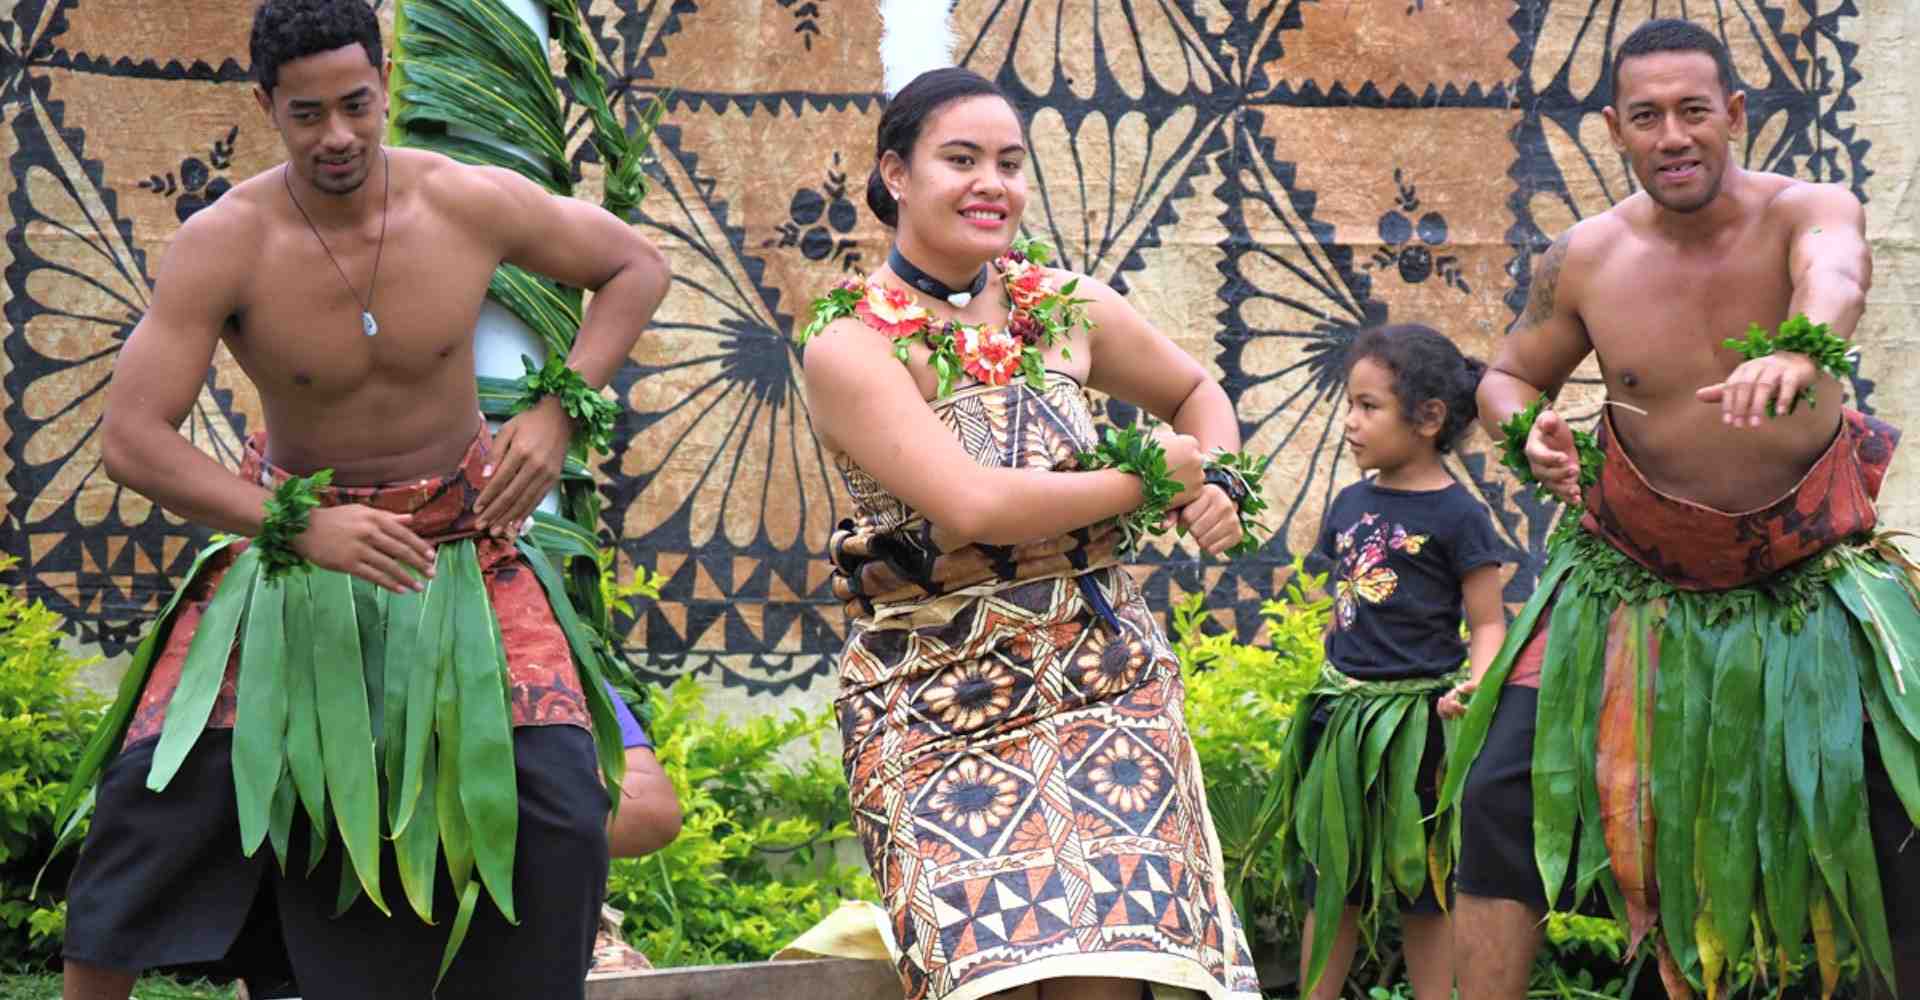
x,y
1239,474
288,511
593,415
1513,454
1133,450
1798,335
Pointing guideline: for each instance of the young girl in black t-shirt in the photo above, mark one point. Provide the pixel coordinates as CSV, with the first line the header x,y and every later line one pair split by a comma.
x,y
1406,551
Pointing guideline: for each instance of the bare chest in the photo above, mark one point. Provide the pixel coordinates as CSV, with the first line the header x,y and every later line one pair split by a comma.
x,y
1658,321
310,307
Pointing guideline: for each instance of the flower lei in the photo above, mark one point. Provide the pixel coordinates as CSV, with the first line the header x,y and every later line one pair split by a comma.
x,y
593,415
287,516
1043,311
1798,335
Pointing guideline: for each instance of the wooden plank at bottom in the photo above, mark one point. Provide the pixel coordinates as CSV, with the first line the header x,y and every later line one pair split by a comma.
x,y
821,979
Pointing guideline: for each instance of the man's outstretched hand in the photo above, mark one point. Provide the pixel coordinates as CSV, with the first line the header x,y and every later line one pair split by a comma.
x,y
1760,388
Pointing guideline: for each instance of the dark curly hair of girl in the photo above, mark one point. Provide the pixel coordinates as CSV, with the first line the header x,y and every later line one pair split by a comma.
x,y
1425,366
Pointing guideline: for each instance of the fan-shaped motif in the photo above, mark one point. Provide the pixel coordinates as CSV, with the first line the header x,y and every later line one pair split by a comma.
x,y
721,444
1073,49
78,285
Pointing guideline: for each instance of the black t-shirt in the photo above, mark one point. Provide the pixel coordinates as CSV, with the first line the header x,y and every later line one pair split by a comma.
x,y
1395,560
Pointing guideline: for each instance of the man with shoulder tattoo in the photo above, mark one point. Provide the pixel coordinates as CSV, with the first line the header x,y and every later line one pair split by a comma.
x,y
1701,716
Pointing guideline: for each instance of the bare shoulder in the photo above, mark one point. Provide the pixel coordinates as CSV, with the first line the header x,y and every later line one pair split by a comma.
x,y
200,259
845,342
1556,269
237,220
1795,201
461,190
1587,241
1105,304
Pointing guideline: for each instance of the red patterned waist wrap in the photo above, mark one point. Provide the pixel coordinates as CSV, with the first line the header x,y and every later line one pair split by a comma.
x,y
542,683
1696,547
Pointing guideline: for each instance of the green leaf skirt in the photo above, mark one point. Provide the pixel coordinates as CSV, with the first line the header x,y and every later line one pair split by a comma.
x,y
331,722
1709,748
1350,800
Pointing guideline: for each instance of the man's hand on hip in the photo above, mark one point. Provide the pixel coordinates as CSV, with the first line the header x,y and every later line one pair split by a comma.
x,y
528,454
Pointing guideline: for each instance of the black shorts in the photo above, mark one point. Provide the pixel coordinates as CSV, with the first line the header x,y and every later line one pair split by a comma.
x,y
161,883
1426,786
1496,822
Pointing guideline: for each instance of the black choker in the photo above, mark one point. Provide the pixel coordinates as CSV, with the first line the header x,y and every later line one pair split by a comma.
x,y
957,297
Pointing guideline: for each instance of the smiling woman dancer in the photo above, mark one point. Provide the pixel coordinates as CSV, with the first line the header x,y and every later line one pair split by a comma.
x,y
1020,770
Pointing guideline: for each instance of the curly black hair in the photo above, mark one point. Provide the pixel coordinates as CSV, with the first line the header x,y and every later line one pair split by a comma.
x,y
1425,366
286,30
1672,35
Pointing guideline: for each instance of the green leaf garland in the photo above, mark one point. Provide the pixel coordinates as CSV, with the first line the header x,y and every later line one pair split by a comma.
x,y
593,415
1798,335
1134,450
288,512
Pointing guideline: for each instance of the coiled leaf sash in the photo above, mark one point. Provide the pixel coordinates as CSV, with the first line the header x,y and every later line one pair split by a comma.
x,y
1710,747
1353,809
383,717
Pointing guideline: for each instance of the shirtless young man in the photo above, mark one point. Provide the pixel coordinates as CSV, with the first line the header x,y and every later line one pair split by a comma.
x,y
281,269
1653,287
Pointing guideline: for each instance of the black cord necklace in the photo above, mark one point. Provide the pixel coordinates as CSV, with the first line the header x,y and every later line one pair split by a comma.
x,y
367,324
912,275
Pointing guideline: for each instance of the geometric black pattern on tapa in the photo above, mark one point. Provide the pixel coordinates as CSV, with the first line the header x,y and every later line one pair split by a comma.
x,y
1199,186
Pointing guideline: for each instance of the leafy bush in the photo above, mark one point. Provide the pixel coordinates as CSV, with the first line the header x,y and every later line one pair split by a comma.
x,y
45,720
759,856
1240,701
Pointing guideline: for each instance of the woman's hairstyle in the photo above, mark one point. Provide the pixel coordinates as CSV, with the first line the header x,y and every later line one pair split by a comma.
x,y
286,30
1425,366
907,113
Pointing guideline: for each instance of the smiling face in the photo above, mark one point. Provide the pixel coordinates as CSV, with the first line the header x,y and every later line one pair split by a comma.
x,y
1673,121
331,109
962,195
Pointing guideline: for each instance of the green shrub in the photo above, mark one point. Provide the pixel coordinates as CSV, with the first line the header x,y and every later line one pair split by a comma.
x,y
1240,701
758,859
45,721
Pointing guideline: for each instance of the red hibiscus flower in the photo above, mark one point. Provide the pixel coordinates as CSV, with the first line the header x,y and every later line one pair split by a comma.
x,y
892,311
1027,284
989,354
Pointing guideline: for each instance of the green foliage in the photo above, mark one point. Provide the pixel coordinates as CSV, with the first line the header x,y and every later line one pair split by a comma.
x,y
287,513
613,593
45,720
46,986
1798,335
759,857
1134,449
593,415
1240,701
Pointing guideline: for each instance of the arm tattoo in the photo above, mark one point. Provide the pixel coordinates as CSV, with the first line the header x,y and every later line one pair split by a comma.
x,y
1546,281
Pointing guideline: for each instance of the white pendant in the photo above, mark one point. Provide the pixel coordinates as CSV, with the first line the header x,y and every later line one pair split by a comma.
x,y
367,324
960,299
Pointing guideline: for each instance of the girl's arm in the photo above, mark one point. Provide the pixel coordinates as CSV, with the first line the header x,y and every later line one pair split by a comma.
x,y
1486,630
